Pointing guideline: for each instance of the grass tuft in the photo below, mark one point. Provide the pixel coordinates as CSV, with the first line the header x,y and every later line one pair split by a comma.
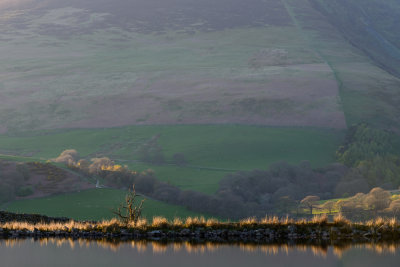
x,y
340,219
159,222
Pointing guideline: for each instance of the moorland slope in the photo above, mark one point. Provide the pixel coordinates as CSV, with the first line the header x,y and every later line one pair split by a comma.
x,y
276,62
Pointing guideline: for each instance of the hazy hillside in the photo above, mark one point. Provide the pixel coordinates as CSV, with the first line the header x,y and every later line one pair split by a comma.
x,y
371,26
109,63
209,94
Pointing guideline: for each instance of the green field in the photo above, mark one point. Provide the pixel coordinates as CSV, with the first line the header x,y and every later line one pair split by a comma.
x,y
211,151
96,204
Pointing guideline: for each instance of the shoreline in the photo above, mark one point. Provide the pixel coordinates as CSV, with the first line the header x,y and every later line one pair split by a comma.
x,y
198,235
264,231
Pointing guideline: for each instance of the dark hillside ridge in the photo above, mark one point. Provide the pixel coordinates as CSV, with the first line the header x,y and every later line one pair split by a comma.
x,y
370,25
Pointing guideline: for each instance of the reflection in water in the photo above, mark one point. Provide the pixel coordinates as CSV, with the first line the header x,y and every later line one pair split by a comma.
x,y
156,247
83,252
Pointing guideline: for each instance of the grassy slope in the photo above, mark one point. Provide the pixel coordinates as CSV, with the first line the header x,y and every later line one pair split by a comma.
x,y
370,25
142,60
93,204
367,93
212,151
150,75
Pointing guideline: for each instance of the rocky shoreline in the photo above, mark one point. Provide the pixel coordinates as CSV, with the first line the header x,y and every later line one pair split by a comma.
x,y
316,230
290,233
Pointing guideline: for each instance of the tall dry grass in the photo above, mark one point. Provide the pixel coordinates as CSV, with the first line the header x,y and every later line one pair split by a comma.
x,y
193,222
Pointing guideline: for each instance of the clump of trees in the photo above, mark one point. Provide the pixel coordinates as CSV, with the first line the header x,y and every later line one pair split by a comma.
x,y
367,160
68,156
373,154
363,206
281,188
363,142
112,174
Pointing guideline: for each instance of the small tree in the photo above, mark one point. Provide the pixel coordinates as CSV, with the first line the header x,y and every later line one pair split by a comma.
x,y
377,199
394,207
329,205
128,211
310,202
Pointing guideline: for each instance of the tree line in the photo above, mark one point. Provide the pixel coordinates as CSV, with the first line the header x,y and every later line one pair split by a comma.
x,y
367,159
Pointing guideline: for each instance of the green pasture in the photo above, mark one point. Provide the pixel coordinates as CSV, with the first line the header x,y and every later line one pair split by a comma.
x,y
94,204
211,151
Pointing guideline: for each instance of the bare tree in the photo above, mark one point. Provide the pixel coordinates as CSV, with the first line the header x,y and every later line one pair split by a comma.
x,y
329,205
129,211
310,202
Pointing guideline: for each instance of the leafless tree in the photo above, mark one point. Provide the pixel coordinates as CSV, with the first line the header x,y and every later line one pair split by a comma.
x,y
329,205
310,202
129,211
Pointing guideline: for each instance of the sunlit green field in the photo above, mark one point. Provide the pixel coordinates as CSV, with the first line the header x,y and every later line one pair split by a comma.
x,y
95,204
211,151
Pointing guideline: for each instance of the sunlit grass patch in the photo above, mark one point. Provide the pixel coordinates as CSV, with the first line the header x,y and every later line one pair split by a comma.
x,y
380,224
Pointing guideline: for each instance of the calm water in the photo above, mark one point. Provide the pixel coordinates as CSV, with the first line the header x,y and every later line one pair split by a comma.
x,y
50,252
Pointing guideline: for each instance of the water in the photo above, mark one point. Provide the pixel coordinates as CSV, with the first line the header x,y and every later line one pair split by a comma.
x,y
56,252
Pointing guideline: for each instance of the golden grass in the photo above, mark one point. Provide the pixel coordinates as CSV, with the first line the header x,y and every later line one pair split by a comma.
x,y
193,222
248,222
159,222
177,222
340,219
270,220
320,219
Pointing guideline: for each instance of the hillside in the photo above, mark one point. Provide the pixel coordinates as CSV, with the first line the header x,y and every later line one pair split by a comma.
x,y
211,152
36,179
222,86
277,63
